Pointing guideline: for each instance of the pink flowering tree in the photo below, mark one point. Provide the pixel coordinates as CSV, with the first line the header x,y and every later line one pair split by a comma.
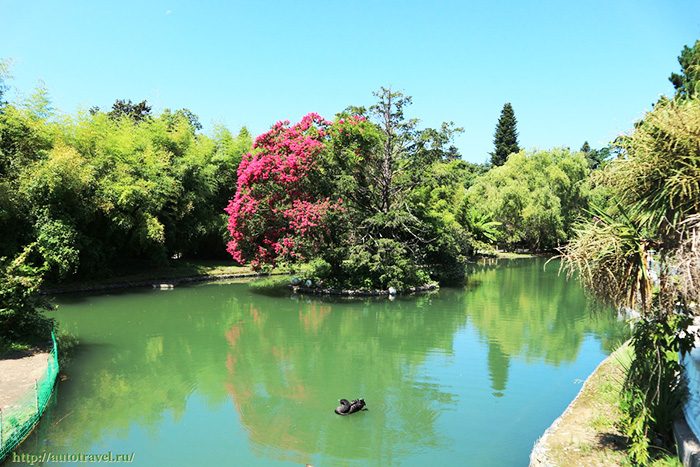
x,y
340,193
283,203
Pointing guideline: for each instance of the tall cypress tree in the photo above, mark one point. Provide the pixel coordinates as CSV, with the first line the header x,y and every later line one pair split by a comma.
x,y
505,139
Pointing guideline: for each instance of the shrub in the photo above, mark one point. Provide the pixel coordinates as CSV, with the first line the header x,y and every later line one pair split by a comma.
x,y
21,317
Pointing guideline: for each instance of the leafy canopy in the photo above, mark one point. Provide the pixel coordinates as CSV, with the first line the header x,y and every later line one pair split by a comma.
x,y
535,197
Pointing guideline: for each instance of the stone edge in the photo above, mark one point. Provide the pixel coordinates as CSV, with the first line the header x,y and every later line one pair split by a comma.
x,y
687,443
538,456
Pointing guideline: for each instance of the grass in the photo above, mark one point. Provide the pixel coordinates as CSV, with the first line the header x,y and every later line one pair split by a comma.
x,y
590,432
602,422
28,345
10,348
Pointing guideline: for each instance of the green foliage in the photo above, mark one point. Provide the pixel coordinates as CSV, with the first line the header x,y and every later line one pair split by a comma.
x,y
655,390
126,109
659,175
4,77
21,318
99,190
687,84
319,269
403,151
380,263
25,137
611,257
56,241
505,138
535,196
483,229
399,186
595,157
436,202
667,460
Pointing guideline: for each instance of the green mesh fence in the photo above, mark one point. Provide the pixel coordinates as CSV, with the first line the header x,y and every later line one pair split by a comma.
x,y
18,420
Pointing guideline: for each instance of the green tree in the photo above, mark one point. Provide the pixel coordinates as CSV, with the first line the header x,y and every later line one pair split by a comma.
x,y
505,138
480,225
93,190
392,240
189,117
125,108
535,196
21,308
28,130
687,83
99,190
437,203
595,157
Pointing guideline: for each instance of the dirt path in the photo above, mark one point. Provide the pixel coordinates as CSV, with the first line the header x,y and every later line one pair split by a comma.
x,y
18,372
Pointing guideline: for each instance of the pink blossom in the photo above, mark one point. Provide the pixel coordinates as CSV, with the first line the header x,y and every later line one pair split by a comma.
x,y
277,174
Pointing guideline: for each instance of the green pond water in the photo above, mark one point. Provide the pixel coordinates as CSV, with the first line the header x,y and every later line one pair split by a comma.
x,y
237,374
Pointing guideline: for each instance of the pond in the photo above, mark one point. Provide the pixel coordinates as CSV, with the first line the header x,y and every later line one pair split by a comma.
x,y
240,374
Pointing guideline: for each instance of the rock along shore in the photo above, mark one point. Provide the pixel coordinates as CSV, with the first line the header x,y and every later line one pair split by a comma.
x,y
361,292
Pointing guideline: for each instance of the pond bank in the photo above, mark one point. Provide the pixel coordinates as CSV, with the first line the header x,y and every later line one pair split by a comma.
x,y
27,384
175,272
18,372
155,283
587,432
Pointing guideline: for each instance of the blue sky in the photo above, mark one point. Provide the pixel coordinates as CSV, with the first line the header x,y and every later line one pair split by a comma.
x,y
573,71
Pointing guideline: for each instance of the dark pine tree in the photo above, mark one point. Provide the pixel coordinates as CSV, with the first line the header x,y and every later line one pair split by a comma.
x,y
505,139
137,112
687,83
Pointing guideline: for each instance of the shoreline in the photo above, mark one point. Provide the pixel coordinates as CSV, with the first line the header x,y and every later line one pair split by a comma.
x,y
169,276
587,431
19,370
153,283
362,292
28,383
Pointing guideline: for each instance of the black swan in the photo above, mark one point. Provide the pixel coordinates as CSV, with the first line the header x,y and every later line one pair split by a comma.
x,y
346,407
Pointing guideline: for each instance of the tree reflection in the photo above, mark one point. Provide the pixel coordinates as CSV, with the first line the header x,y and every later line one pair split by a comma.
x,y
525,311
287,371
498,363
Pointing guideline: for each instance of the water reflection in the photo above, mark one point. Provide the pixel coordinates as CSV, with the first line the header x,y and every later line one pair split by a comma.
x,y
287,370
498,362
259,374
524,310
